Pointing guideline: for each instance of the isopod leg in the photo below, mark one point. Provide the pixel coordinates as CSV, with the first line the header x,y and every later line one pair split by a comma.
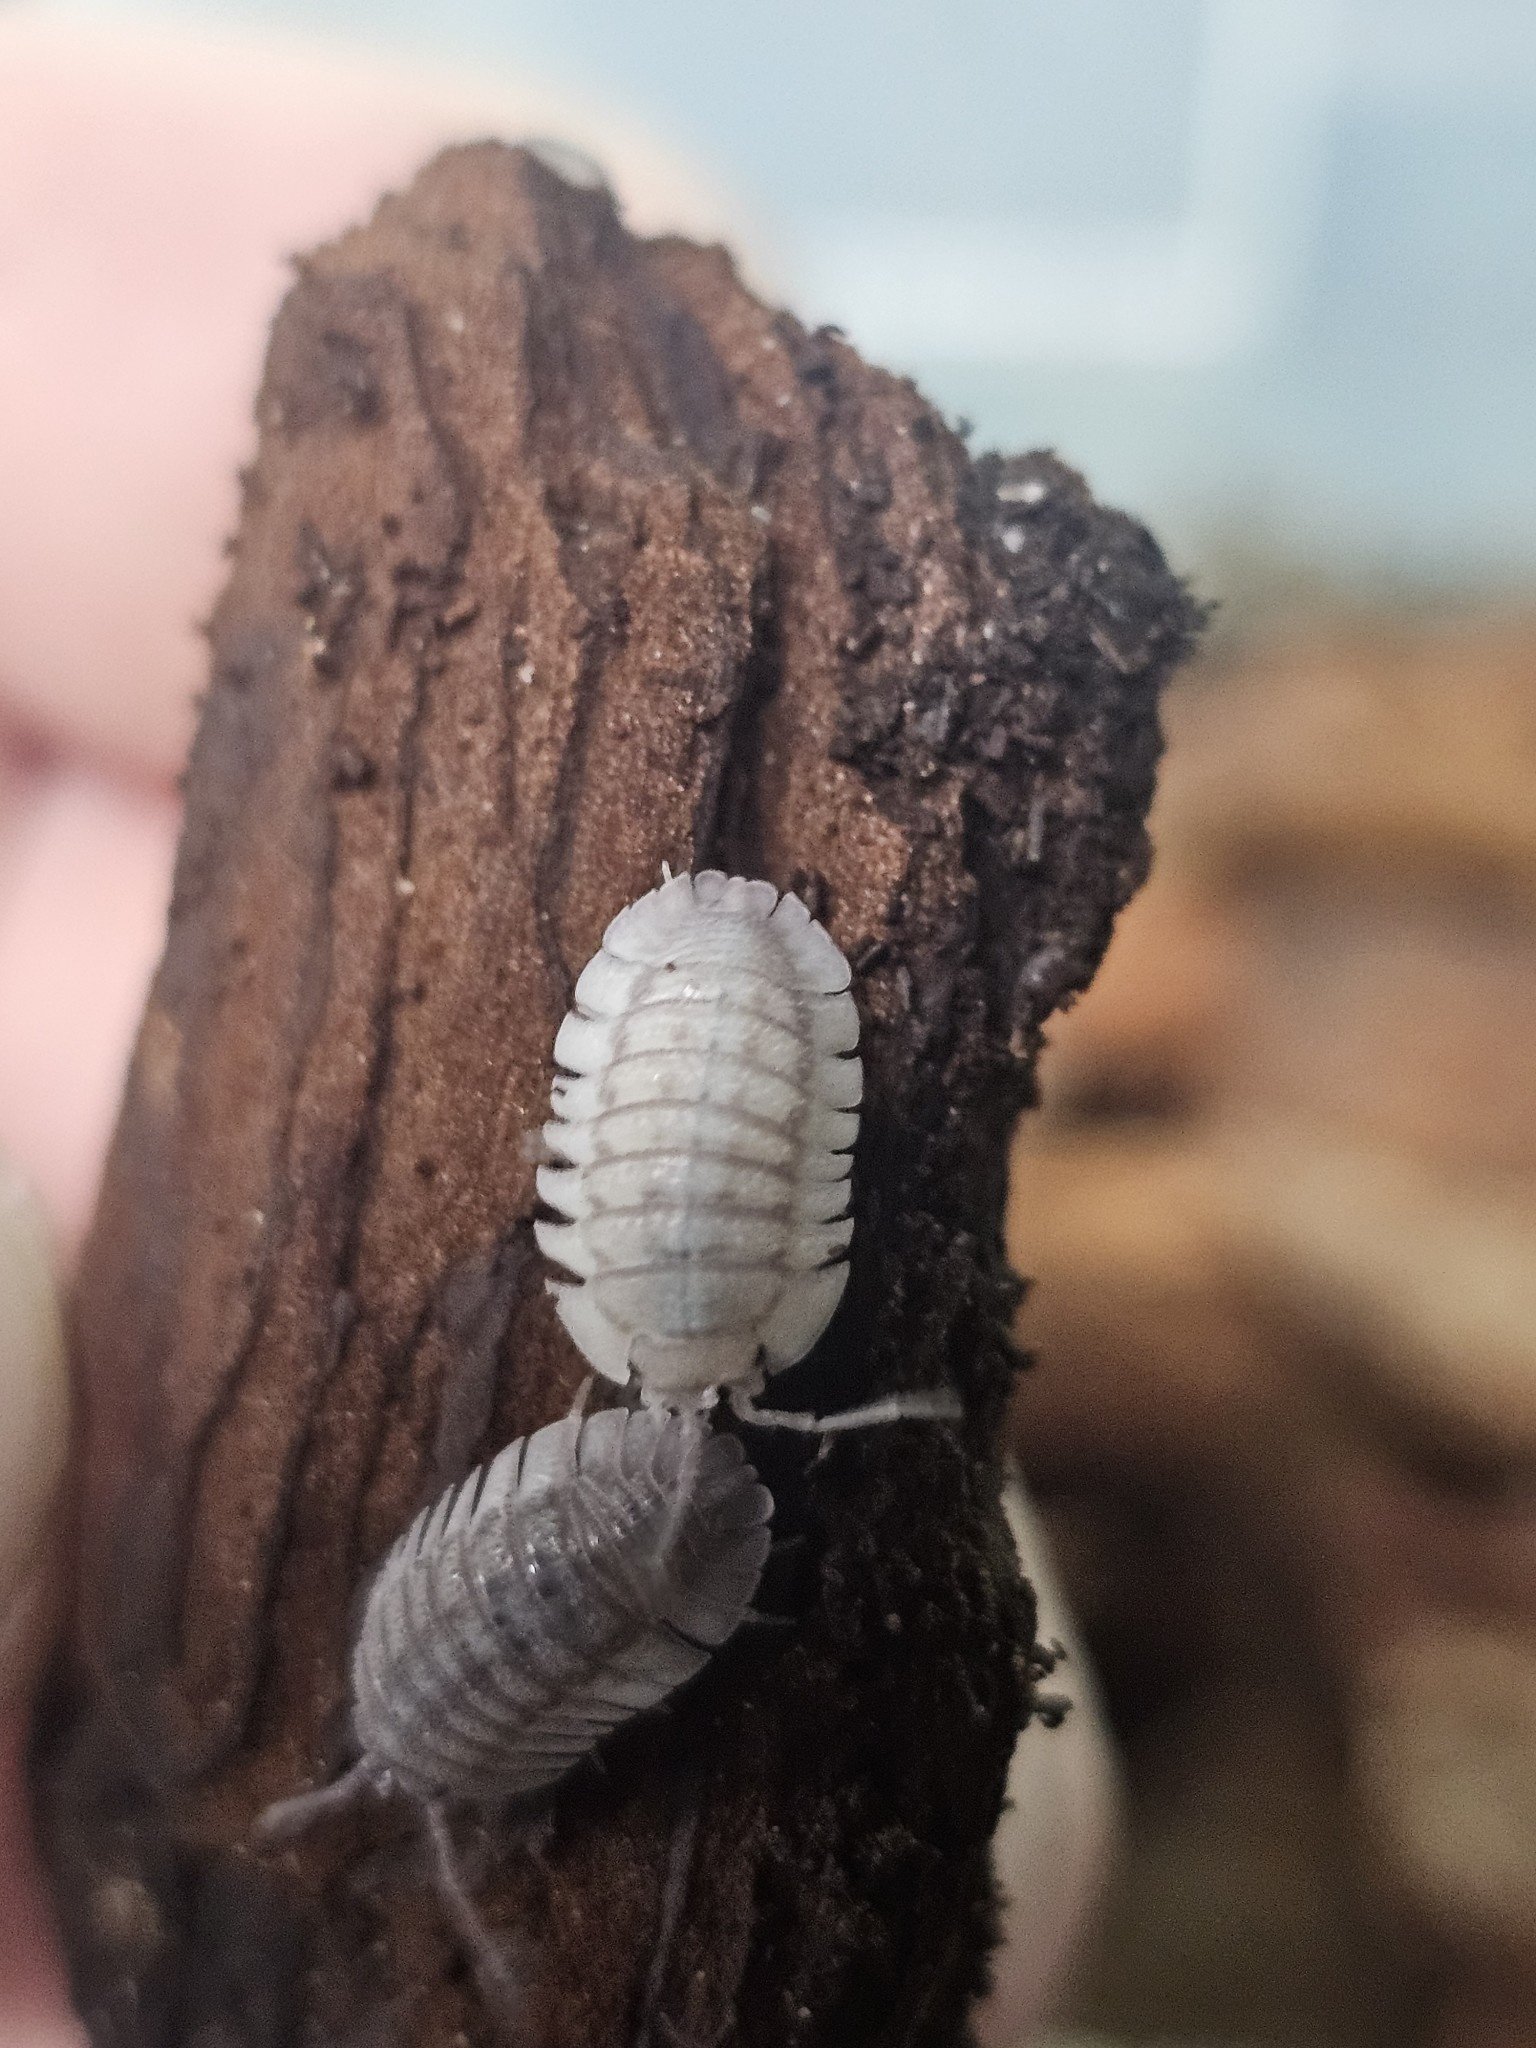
x,y
583,1396
285,1818
682,1492
674,1895
493,1973
938,1405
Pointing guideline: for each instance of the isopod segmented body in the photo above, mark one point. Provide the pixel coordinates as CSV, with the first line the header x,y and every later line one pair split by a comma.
x,y
574,1581
577,1579
705,1119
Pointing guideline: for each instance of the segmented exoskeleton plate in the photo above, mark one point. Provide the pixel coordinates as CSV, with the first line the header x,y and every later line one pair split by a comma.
x,y
705,1119
574,1581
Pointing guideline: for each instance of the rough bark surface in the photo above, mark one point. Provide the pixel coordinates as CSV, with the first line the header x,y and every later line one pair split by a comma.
x,y
563,557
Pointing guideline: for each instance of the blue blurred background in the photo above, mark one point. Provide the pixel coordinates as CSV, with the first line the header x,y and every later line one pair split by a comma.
x,y
1265,269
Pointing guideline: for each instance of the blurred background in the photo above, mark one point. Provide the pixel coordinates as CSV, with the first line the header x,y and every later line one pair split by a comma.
x,y
1262,267
1266,271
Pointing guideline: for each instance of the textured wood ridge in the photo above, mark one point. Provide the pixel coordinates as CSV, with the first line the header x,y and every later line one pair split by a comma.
x,y
562,557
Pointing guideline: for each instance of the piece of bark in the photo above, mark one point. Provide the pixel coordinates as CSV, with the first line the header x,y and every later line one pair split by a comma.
x,y
563,557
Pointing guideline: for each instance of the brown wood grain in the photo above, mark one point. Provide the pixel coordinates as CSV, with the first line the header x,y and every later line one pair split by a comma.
x,y
562,557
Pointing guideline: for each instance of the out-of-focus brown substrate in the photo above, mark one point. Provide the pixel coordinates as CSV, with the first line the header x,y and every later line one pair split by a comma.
x,y
563,557
1282,1207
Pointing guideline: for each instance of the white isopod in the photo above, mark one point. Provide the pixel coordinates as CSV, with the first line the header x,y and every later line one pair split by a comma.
x,y
705,1119
572,1582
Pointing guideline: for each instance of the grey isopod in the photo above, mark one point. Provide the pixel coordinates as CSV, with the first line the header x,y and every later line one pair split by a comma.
x,y
575,1580
572,1582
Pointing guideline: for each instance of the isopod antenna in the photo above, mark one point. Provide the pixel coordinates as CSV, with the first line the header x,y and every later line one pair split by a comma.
x,y
497,1981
